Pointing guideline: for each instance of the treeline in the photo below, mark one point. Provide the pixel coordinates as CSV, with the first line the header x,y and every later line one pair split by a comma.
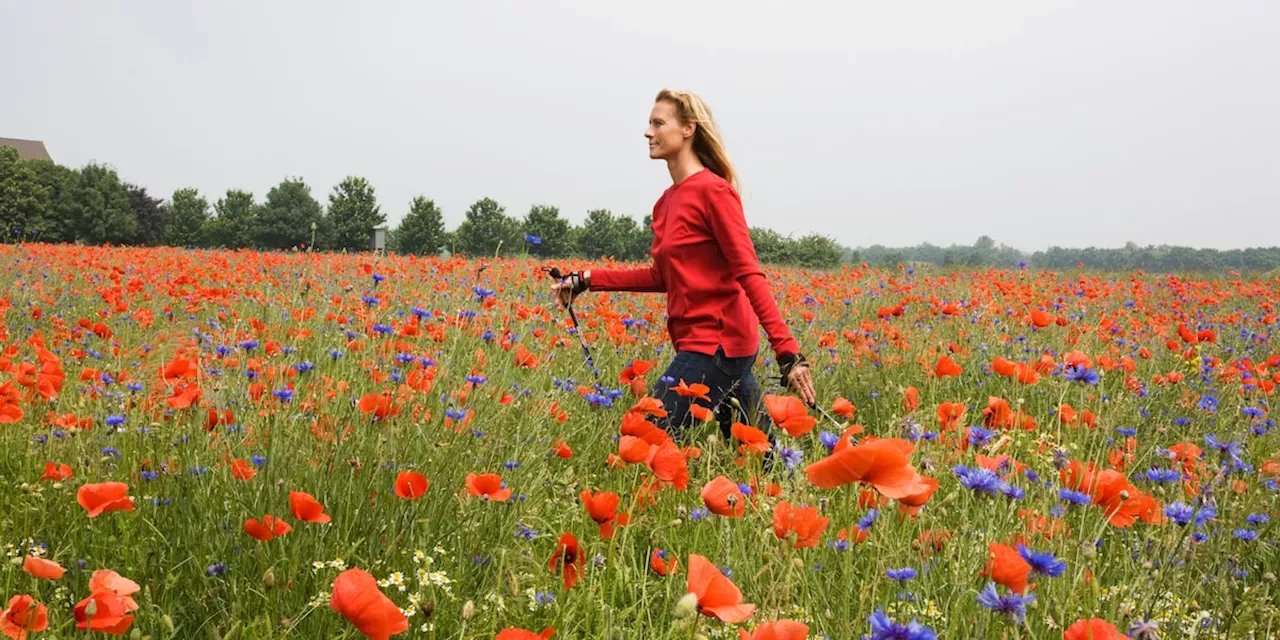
x,y
47,202
986,253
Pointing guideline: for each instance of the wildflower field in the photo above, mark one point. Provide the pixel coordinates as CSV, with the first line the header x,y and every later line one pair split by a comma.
x,y
207,444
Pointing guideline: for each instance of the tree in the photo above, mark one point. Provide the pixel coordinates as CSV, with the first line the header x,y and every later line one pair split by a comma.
x,y
24,202
233,225
284,220
102,205
639,238
353,214
422,230
552,231
816,251
602,235
152,215
188,215
771,248
59,221
487,229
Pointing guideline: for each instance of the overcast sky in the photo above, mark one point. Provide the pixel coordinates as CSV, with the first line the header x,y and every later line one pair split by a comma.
x,y
1036,122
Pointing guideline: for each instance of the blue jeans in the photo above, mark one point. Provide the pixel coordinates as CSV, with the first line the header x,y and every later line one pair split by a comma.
x,y
728,378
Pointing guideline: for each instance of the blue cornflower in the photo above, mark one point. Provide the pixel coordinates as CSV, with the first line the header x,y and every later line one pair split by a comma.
x,y
1257,518
377,277
1081,374
1162,475
901,575
258,461
1179,512
476,379
700,513
1205,514
1043,563
979,480
511,464
828,439
304,366
791,457
869,519
284,395
111,451
148,475
1254,412
882,628
524,533
980,436
134,386
1013,492
114,421
532,239
1011,603
216,569
1126,432
1074,497
1207,403
1245,534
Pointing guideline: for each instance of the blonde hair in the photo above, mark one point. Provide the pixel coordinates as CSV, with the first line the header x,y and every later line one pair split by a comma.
x,y
707,143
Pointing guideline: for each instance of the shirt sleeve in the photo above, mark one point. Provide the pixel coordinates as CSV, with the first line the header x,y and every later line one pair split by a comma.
x,y
729,226
640,280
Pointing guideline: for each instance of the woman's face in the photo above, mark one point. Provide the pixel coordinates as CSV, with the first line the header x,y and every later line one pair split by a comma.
x,y
666,134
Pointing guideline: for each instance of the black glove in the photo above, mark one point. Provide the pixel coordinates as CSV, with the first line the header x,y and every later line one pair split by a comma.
x,y
577,282
788,362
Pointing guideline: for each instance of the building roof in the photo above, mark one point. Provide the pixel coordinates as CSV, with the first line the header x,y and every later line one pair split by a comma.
x,y
27,149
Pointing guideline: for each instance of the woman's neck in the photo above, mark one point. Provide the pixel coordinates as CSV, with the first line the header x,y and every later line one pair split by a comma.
x,y
684,165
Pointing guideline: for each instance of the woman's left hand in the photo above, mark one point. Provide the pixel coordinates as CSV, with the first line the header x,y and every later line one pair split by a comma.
x,y
800,380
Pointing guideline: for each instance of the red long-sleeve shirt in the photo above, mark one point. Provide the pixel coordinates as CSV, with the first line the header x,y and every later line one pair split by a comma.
x,y
704,260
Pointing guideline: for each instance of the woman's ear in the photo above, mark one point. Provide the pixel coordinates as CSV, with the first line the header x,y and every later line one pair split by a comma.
x,y
689,129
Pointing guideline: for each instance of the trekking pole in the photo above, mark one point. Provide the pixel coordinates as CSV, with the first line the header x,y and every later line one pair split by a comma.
x,y
554,272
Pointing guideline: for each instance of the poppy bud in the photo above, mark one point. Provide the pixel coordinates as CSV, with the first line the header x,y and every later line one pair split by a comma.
x,y
677,522
91,609
687,607
57,486
1269,577
798,564
468,610
136,634
269,578
168,623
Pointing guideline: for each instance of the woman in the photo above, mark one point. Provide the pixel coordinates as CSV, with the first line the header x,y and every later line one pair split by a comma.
x,y
703,259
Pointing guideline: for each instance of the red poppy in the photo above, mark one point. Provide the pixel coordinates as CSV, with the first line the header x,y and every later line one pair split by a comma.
x,y
717,596
946,368
695,390
603,509
102,497
411,485
24,616
357,598
804,522
843,408
561,449
882,463
754,441
1007,568
777,630
41,568
913,503
722,496
487,485
269,528
1092,629
378,404
910,399
306,508
56,472
110,594
515,633
661,565
789,413
242,470
567,560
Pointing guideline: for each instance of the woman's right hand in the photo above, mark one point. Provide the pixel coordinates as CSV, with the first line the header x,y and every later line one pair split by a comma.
x,y
569,288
